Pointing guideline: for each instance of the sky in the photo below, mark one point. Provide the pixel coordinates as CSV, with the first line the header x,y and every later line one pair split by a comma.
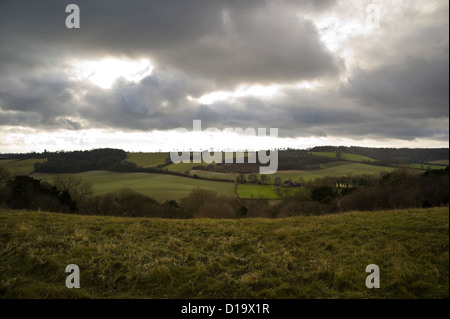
x,y
136,74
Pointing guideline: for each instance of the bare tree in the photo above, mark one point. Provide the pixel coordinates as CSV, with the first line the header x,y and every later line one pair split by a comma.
x,y
197,197
278,181
78,188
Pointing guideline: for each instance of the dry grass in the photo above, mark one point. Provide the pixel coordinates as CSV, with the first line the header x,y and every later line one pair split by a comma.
x,y
301,257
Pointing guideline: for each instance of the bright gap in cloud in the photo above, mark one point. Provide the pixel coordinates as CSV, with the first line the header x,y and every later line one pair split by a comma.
x,y
105,72
241,91
350,19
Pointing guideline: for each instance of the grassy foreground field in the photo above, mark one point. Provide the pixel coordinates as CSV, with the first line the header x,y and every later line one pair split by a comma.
x,y
302,257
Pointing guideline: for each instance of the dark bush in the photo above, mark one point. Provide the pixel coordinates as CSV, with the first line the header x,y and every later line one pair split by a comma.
x,y
323,194
25,192
125,202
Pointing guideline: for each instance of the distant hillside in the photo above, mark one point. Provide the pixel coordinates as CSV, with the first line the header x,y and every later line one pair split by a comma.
x,y
288,159
391,155
20,166
345,156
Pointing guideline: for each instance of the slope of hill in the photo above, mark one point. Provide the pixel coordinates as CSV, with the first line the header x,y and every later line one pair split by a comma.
x,y
148,159
301,257
346,156
20,166
161,187
391,155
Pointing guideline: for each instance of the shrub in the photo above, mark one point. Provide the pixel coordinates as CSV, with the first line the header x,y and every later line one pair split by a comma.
x,y
197,197
25,192
124,202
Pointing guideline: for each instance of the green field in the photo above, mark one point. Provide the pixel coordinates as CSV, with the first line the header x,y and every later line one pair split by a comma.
x,y
158,186
426,166
147,159
327,169
20,166
163,187
300,257
345,156
183,167
335,169
5,162
262,191
257,191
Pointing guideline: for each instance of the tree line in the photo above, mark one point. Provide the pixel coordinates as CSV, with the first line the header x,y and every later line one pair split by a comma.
x,y
60,162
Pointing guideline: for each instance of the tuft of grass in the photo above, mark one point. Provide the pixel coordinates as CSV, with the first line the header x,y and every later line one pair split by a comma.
x,y
300,257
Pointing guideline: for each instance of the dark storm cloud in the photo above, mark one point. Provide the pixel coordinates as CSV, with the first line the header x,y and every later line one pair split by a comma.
x,y
43,98
201,46
415,88
228,42
215,43
303,113
19,118
157,102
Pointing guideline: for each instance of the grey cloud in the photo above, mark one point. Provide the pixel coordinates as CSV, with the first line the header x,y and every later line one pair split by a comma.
x,y
262,41
256,48
19,118
72,124
416,88
157,102
304,113
202,46
43,98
